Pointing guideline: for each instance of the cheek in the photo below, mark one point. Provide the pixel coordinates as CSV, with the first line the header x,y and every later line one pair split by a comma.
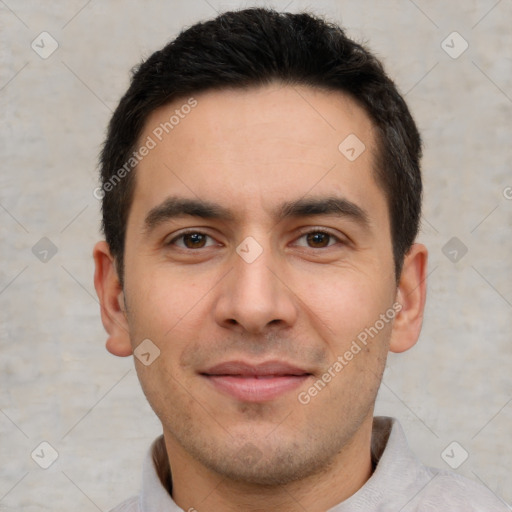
x,y
166,392
160,300
170,310
342,303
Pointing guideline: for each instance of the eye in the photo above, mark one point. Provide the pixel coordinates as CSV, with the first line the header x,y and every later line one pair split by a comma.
x,y
191,240
314,239
318,239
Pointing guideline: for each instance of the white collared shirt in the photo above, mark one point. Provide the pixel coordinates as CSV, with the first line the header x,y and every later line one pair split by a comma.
x,y
400,483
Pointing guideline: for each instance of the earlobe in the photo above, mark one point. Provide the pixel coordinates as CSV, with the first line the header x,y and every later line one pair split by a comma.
x,y
111,297
118,347
411,294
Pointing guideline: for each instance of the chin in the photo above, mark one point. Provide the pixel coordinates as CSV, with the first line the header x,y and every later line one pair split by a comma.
x,y
260,464
264,474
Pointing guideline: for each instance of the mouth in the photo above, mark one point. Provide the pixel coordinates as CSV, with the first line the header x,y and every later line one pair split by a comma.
x,y
255,382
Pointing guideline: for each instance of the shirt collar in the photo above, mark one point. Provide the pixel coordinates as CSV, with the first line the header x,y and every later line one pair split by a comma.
x,y
398,470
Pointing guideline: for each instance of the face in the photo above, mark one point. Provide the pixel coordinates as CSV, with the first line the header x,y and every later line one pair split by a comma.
x,y
256,254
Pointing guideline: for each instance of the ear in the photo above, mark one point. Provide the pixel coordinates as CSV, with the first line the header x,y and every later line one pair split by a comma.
x,y
110,294
411,295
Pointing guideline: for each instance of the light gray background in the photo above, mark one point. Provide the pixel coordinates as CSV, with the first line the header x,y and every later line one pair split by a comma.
x,y
58,384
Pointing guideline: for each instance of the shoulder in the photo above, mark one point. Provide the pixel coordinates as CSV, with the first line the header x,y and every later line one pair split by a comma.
x,y
130,505
402,482
451,491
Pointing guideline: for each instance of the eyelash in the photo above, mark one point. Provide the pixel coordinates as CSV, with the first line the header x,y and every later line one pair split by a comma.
x,y
305,233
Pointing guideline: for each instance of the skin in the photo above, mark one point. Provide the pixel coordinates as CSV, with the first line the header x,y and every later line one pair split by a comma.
x,y
303,300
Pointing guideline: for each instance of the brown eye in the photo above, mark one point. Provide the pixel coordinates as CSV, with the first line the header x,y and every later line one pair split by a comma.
x,y
192,240
319,239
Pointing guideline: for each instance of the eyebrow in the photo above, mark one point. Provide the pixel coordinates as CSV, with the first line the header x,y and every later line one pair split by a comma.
x,y
176,207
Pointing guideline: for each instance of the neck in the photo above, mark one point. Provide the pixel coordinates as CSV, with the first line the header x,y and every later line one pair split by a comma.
x,y
196,487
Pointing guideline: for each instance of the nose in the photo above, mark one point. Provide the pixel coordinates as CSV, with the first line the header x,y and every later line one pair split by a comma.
x,y
255,296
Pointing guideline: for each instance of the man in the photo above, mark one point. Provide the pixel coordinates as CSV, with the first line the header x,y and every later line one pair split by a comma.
x,y
261,197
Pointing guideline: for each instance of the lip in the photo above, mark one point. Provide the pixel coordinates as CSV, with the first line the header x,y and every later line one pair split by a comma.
x,y
255,382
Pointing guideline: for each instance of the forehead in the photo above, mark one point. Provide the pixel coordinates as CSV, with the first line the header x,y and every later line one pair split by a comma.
x,y
250,148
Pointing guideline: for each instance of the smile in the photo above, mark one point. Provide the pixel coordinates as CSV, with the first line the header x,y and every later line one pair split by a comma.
x,y
255,383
